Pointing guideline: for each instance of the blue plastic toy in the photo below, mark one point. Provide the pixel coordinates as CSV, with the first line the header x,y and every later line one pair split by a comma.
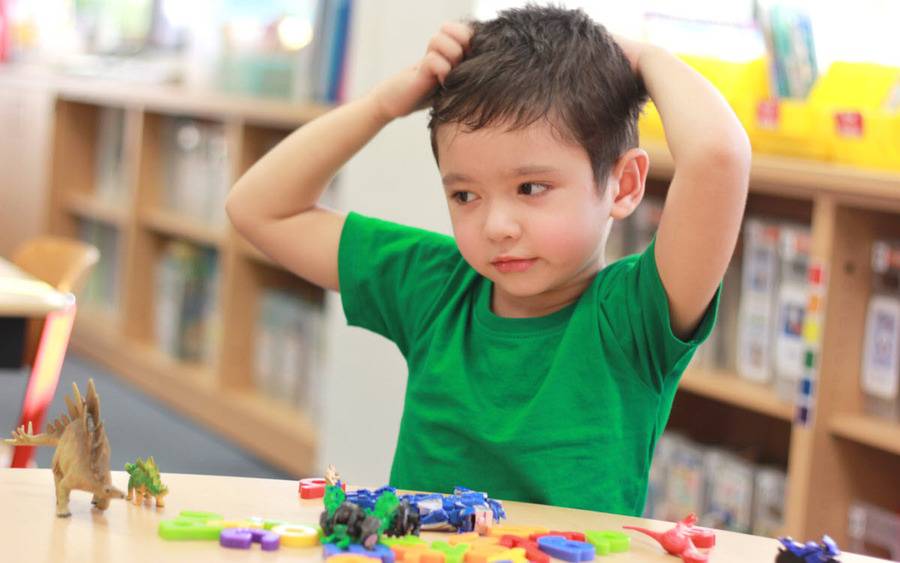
x,y
810,552
382,552
566,549
439,512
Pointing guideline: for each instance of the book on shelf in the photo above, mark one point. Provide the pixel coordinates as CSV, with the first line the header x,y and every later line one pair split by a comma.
x,y
769,492
186,291
791,300
774,297
725,332
286,359
685,478
725,490
874,530
880,370
760,267
729,491
330,55
101,289
110,184
787,30
197,170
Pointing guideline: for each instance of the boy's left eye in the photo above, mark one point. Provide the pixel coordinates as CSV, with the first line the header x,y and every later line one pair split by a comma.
x,y
532,188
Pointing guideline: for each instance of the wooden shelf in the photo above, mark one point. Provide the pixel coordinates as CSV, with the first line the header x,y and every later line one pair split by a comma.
x,y
869,430
98,318
172,224
276,433
87,206
731,389
805,179
175,100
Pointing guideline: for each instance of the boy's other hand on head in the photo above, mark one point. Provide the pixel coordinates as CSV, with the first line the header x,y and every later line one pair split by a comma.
x,y
410,89
632,50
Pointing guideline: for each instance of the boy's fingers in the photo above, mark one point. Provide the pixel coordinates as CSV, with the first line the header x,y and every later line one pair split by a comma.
x,y
446,46
437,65
460,32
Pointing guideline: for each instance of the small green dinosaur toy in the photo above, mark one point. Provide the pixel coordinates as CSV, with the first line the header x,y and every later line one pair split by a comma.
x,y
334,497
385,510
144,482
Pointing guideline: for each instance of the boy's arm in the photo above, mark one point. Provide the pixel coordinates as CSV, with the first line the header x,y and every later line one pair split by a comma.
x,y
274,204
705,204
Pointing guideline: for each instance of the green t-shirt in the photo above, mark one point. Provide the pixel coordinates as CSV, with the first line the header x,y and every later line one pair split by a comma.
x,y
563,409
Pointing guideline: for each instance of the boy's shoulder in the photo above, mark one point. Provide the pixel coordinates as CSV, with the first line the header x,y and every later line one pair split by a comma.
x,y
616,271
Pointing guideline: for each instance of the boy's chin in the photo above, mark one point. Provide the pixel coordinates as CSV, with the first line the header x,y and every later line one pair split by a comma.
x,y
520,286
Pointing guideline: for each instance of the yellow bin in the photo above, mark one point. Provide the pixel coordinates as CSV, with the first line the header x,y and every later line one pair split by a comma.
x,y
742,84
851,100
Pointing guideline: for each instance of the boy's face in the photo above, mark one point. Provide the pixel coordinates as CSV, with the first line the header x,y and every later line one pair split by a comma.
x,y
525,195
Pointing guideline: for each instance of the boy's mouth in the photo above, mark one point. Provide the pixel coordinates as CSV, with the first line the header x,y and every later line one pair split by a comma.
x,y
508,265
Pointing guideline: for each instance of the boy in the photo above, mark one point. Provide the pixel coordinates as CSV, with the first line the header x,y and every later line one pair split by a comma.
x,y
536,371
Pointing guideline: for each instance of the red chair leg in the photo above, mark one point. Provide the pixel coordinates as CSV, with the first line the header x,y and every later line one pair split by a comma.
x,y
44,376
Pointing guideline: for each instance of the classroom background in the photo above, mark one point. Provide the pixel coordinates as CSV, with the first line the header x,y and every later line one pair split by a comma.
x,y
123,123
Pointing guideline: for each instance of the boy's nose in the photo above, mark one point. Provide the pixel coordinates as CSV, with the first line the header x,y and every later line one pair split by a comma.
x,y
501,224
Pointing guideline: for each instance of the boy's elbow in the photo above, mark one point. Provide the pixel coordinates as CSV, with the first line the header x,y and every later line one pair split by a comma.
x,y
733,154
236,212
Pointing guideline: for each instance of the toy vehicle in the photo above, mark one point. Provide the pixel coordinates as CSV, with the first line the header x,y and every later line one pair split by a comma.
x,y
810,552
463,511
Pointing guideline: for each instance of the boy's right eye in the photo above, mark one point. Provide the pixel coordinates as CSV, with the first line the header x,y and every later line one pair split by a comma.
x,y
463,197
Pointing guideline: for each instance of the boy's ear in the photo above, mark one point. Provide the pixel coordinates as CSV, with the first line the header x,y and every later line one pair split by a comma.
x,y
627,179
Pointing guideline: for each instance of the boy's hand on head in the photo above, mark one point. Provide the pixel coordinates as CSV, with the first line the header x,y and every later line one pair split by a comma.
x,y
632,50
410,89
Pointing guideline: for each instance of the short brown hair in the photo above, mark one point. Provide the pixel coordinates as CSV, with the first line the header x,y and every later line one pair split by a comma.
x,y
545,62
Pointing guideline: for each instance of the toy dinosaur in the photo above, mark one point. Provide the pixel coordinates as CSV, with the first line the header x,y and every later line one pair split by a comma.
x,y
81,459
683,540
332,477
344,522
144,482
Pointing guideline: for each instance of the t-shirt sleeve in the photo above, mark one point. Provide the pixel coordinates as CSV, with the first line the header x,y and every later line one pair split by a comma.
x,y
392,275
637,309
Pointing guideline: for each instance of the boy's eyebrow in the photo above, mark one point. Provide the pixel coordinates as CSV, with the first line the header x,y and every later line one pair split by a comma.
x,y
455,177
533,169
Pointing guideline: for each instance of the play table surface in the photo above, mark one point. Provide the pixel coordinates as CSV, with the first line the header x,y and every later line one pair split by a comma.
x,y
31,531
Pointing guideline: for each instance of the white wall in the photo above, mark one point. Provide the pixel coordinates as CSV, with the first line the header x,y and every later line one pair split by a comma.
x,y
393,178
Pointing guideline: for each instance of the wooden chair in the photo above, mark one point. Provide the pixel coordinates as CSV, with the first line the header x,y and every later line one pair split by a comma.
x,y
65,264
62,262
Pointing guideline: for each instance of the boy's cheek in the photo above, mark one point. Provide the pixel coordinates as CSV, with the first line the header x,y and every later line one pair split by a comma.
x,y
471,248
567,230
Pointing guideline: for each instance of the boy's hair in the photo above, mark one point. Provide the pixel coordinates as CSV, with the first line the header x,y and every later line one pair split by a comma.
x,y
549,63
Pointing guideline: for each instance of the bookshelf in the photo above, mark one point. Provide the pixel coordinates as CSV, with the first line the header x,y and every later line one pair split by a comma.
x,y
736,392
868,430
843,455
218,390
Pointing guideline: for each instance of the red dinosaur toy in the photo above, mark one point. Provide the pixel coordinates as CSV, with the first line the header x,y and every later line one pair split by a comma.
x,y
683,540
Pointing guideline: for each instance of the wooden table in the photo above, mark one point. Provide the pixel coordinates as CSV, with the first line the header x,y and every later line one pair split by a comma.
x,y
21,295
126,532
